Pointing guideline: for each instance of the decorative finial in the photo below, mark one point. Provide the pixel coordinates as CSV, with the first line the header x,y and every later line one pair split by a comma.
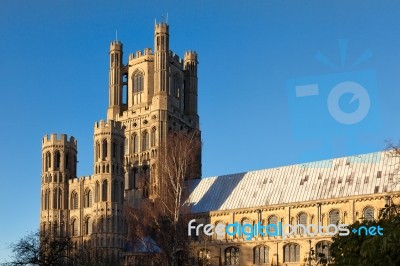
x,y
116,35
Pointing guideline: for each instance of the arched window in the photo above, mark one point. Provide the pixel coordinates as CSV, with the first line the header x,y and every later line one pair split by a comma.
x,y
48,161
121,152
122,193
177,87
334,217
153,137
97,192
203,257
126,146
115,188
74,161
74,200
114,149
88,198
74,227
145,173
104,156
272,220
232,256
46,199
57,197
67,161
89,226
179,258
134,143
97,150
145,141
291,252
138,86
261,254
57,160
368,213
132,181
247,233
302,220
104,190
322,254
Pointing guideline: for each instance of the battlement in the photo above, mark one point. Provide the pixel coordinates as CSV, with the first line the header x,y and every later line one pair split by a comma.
x,y
162,27
116,45
111,125
190,55
140,53
80,179
175,57
60,140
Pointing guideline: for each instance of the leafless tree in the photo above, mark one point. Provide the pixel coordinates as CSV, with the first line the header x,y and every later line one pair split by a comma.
x,y
46,249
159,224
40,249
393,150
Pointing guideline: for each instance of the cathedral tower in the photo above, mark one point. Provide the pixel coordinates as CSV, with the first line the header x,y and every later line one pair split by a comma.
x,y
115,86
161,97
58,167
108,185
190,69
151,96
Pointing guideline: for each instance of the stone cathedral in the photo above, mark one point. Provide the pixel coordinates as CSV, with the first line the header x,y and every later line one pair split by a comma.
x,y
154,93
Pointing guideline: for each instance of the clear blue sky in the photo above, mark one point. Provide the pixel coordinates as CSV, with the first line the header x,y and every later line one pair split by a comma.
x,y
252,54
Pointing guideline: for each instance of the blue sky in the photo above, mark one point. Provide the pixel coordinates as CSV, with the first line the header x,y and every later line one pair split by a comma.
x,y
54,71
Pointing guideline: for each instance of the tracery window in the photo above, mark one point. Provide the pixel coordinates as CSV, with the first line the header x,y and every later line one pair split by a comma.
x,y
89,226
261,254
88,198
104,190
74,200
74,227
204,257
153,137
145,141
232,256
291,252
322,253
368,214
334,217
138,86
273,219
134,143
97,192
302,219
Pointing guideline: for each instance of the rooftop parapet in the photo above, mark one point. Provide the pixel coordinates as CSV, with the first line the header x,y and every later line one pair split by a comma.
x,y
116,45
162,27
62,139
145,52
111,125
175,57
80,179
190,55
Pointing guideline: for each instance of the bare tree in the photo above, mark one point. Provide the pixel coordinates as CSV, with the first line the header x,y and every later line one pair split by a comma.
x,y
393,150
46,249
40,249
159,225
